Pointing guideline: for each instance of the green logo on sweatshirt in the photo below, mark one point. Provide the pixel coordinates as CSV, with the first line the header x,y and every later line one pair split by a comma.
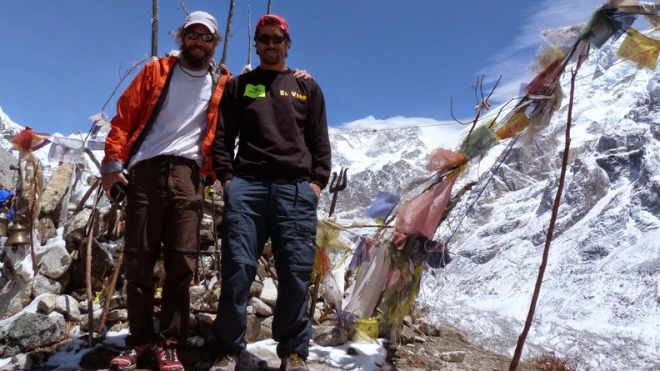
x,y
252,91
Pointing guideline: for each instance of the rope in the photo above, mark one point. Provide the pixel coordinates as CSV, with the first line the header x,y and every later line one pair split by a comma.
x,y
493,171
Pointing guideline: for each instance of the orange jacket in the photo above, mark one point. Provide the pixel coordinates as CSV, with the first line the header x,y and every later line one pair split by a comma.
x,y
137,106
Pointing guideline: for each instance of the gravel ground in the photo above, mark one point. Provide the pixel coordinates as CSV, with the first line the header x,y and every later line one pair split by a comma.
x,y
448,352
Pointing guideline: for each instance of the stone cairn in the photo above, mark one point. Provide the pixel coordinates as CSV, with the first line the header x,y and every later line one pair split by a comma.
x,y
45,285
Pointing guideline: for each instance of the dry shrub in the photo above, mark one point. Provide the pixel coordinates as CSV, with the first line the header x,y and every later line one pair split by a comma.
x,y
552,363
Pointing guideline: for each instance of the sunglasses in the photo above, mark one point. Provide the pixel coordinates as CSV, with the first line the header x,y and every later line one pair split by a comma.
x,y
276,39
193,35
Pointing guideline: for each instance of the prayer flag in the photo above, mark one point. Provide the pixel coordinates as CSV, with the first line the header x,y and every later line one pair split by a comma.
x,y
382,206
601,28
515,125
28,140
422,214
640,49
478,142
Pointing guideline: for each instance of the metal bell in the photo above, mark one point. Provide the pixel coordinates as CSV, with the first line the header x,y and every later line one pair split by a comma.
x,y
4,224
17,235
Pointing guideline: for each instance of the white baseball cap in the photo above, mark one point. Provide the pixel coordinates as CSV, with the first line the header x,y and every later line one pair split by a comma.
x,y
202,18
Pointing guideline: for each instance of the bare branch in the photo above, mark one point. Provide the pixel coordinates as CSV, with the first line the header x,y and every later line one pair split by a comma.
x,y
451,111
121,79
494,87
183,6
475,87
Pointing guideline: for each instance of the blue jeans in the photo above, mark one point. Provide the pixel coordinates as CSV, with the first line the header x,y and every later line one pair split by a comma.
x,y
255,211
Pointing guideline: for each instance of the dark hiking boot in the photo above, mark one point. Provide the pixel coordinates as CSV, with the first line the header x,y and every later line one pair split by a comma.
x,y
128,359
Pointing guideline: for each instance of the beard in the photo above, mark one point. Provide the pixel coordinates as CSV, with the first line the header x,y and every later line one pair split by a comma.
x,y
270,58
193,60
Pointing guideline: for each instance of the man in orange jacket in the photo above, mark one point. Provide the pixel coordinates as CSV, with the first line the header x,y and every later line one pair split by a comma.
x,y
162,135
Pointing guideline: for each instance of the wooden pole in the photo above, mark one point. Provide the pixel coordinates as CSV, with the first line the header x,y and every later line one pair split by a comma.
x,y
230,16
551,228
249,43
91,189
111,288
32,217
154,29
216,266
88,271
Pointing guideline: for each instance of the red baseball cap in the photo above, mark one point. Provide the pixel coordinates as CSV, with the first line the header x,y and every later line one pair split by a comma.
x,y
273,20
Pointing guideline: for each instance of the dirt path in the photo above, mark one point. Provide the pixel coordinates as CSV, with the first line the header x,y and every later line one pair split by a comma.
x,y
450,344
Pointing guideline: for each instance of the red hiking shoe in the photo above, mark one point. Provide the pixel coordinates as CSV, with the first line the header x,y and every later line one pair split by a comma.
x,y
168,357
128,359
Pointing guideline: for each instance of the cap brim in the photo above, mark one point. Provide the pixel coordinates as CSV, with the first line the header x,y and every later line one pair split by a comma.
x,y
207,24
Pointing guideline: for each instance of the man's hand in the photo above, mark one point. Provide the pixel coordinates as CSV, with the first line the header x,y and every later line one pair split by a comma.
x,y
316,189
302,74
109,179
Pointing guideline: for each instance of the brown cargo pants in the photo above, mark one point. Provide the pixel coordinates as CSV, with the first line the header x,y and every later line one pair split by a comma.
x,y
163,214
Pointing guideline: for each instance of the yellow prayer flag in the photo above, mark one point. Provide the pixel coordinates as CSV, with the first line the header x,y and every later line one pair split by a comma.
x,y
515,125
327,235
640,49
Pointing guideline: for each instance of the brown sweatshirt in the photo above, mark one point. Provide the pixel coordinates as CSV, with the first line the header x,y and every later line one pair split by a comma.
x,y
281,125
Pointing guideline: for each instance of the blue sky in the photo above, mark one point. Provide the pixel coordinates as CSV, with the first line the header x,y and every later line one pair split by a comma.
x,y
61,60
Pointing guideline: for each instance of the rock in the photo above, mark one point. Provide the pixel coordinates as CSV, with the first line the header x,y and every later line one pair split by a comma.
x,y
197,293
206,240
64,304
102,266
260,307
407,334
13,298
428,328
253,332
55,261
329,336
204,326
457,357
43,285
267,327
117,315
84,321
28,331
117,302
269,293
56,188
7,175
77,223
256,288
19,362
46,229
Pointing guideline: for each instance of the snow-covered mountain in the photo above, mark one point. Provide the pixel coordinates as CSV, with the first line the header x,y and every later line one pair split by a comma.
x,y
9,128
601,291
600,296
